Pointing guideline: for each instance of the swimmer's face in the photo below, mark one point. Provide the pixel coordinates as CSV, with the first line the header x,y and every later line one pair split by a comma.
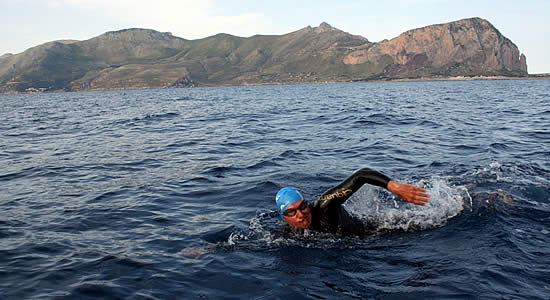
x,y
298,215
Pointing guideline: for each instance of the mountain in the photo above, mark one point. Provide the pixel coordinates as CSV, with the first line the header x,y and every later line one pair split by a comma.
x,y
466,47
142,58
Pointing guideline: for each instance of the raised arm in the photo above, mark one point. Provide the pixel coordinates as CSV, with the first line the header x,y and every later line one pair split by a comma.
x,y
340,193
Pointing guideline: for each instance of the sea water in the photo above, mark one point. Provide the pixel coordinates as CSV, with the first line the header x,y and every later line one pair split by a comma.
x,y
169,193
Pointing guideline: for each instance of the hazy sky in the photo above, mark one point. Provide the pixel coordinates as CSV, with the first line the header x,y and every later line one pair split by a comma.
x,y
27,23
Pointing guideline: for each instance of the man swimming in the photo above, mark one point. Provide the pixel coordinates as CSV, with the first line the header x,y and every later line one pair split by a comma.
x,y
327,213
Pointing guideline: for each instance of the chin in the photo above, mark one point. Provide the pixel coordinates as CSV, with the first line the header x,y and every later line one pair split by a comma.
x,y
301,226
304,225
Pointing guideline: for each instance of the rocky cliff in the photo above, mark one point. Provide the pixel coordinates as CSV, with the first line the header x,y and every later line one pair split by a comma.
x,y
140,58
466,47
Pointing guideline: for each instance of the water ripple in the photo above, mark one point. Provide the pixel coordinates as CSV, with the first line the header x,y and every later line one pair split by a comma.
x,y
168,194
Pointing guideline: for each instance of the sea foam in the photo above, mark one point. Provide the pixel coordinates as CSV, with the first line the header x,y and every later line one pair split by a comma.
x,y
388,212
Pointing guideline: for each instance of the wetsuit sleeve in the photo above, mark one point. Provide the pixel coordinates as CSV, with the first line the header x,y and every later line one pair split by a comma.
x,y
340,193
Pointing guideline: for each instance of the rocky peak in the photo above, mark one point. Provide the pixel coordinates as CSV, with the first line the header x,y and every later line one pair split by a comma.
x,y
469,46
137,35
324,27
118,47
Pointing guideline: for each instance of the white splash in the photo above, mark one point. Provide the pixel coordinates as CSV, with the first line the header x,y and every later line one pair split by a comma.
x,y
263,228
390,213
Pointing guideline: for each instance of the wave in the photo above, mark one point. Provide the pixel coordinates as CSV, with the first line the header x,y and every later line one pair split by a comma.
x,y
147,119
224,170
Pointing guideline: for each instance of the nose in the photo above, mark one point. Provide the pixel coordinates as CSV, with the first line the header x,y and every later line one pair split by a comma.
x,y
299,213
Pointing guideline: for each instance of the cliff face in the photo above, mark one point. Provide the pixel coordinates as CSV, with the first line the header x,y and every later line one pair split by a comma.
x,y
465,47
141,58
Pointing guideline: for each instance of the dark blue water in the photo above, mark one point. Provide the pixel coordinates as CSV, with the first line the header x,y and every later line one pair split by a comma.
x,y
169,194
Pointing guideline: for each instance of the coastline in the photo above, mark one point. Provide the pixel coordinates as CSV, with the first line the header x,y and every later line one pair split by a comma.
x,y
445,78
465,78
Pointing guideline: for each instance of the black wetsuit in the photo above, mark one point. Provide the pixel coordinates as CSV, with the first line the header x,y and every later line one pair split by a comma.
x,y
328,214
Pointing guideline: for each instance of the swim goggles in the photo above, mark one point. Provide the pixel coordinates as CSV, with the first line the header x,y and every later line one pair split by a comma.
x,y
291,212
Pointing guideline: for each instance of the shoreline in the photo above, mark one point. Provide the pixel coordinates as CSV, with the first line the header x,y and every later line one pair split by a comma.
x,y
469,78
419,79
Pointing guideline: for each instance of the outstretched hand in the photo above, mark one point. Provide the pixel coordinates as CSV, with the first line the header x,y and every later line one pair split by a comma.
x,y
409,193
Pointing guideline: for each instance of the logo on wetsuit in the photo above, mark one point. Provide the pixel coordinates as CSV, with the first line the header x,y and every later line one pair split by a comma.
x,y
341,194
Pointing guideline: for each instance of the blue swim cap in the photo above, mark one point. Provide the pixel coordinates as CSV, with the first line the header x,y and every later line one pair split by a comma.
x,y
286,197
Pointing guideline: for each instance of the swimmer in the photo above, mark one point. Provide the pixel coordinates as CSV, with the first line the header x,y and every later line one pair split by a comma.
x,y
327,213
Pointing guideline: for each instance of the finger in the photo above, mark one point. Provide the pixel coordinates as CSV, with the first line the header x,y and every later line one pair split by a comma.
x,y
422,194
423,199
419,190
419,195
419,200
418,203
